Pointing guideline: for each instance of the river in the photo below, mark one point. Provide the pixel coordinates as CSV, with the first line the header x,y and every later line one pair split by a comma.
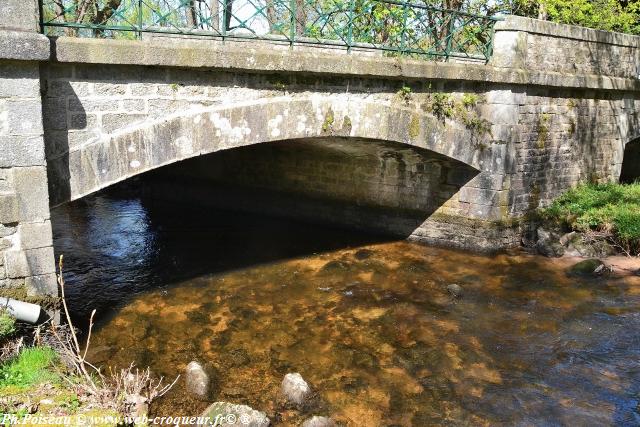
x,y
367,321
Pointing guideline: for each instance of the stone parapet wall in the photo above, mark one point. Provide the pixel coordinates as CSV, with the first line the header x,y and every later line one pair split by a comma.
x,y
545,46
27,267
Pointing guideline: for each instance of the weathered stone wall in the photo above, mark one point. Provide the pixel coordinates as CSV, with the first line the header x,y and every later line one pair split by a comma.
x,y
568,137
100,107
550,47
528,142
27,269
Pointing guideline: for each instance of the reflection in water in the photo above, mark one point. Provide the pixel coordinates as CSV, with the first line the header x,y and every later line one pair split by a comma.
x,y
369,324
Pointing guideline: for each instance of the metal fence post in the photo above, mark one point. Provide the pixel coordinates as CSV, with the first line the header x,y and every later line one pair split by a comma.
x,y
139,19
403,36
451,24
294,19
224,19
350,25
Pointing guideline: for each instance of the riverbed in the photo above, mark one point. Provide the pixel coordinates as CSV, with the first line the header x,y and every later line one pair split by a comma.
x,y
366,320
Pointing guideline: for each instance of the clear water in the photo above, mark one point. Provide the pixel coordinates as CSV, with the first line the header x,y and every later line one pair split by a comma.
x,y
367,322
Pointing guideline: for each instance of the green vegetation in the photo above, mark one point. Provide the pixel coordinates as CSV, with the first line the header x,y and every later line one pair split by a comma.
x,y
7,325
32,366
609,211
404,93
327,125
610,15
442,105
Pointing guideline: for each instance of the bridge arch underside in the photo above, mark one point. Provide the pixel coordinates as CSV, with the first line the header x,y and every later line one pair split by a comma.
x,y
101,162
371,185
630,171
382,167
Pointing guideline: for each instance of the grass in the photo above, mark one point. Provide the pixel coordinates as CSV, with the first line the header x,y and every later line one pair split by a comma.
x,y
7,325
611,210
32,366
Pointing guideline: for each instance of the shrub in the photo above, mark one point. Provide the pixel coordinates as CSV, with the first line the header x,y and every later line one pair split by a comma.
x,y
7,325
611,210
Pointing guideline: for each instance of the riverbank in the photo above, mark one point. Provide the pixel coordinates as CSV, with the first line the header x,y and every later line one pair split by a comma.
x,y
591,220
47,379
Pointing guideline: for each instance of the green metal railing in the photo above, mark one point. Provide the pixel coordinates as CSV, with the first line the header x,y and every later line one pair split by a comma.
x,y
394,27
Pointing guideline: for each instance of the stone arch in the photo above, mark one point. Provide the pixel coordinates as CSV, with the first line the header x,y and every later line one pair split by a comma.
x,y
131,151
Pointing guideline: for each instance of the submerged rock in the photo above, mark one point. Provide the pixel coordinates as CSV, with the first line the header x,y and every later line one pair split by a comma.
x,y
198,380
363,254
317,421
295,389
229,414
455,290
548,244
588,267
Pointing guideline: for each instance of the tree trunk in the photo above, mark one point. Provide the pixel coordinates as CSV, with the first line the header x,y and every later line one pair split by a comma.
x,y
215,15
271,14
301,17
192,16
542,11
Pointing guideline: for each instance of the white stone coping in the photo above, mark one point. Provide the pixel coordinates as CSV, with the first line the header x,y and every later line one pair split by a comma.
x,y
188,53
24,46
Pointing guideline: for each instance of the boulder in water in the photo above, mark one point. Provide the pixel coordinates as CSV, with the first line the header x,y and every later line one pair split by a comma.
x,y
455,290
588,267
295,389
198,380
223,414
317,421
548,243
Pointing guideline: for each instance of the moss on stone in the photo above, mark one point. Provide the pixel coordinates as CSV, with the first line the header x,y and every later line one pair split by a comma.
x,y
329,118
543,130
46,302
346,125
414,126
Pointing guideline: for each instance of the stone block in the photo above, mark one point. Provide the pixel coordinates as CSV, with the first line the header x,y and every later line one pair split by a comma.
x,y
111,89
24,117
83,121
5,243
30,262
9,283
499,114
509,49
23,46
6,230
21,151
19,79
134,105
55,114
92,105
45,284
19,15
112,122
35,234
9,212
32,193
504,96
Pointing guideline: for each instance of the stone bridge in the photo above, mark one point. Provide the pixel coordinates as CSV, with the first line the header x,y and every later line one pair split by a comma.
x,y
447,153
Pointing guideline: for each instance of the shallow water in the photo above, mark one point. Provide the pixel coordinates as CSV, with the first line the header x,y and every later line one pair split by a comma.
x,y
368,323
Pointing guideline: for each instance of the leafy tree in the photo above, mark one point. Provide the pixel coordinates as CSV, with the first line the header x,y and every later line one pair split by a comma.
x,y
611,15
